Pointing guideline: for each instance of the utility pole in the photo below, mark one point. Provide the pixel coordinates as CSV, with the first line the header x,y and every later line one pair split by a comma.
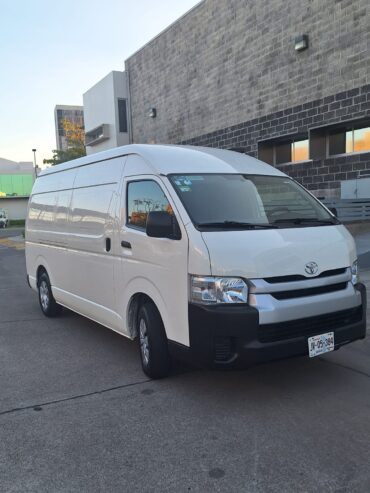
x,y
34,161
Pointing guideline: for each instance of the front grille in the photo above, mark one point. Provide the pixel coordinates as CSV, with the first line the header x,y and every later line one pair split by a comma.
x,y
309,326
223,349
293,278
299,293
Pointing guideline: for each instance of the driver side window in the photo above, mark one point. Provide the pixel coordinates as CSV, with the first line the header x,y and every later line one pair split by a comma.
x,y
143,197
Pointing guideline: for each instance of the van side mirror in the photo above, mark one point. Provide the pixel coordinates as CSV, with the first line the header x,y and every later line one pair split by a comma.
x,y
334,211
161,224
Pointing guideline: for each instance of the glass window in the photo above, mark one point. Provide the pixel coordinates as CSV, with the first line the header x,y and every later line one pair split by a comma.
x,y
122,115
361,139
300,150
291,151
346,141
143,197
349,142
233,201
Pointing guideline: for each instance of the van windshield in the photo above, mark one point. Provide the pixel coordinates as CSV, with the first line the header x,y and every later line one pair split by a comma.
x,y
234,201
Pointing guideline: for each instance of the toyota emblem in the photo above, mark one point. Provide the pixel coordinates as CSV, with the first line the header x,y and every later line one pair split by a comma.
x,y
311,268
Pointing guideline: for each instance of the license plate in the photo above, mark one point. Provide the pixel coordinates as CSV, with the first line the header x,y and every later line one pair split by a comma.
x,y
320,344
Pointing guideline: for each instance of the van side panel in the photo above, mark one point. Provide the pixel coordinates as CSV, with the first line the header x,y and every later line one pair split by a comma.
x,y
90,266
71,216
89,260
46,227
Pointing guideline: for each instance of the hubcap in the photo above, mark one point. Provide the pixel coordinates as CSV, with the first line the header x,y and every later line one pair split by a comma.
x,y
144,342
44,295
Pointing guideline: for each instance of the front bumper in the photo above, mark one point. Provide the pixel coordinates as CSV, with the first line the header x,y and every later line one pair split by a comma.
x,y
232,336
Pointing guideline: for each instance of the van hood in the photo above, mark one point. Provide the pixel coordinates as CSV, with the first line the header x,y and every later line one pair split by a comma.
x,y
277,252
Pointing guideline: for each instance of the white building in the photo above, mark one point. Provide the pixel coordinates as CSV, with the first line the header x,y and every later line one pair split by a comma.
x,y
106,113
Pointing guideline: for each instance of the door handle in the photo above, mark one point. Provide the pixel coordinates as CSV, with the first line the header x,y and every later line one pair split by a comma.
x,y
107,244
125,244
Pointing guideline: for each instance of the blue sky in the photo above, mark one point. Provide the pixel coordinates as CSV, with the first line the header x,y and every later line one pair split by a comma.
x,y
51,52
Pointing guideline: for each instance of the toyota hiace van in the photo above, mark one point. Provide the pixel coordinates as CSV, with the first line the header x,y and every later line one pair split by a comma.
x,y
195,252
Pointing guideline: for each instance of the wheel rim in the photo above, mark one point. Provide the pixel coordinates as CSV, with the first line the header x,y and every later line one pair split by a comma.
x,y
144,341
44,295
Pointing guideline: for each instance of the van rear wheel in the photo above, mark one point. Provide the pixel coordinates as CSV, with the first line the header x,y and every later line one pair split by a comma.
x,y
49,306
155,358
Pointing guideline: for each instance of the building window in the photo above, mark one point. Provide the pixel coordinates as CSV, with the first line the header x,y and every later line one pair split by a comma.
x,y
143,197
358,140
281,152
300,150
340,139
122,115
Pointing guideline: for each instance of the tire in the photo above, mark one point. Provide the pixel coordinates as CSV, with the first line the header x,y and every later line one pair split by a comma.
x,y
48,305
153,344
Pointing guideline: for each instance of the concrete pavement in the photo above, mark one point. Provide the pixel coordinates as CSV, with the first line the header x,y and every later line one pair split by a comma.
x,y
78,414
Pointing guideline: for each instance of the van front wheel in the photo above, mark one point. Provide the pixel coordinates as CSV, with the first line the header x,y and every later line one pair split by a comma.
x,y
155,358
48,305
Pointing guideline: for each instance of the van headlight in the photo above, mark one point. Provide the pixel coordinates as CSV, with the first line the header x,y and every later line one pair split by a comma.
x,y
212,290
354,271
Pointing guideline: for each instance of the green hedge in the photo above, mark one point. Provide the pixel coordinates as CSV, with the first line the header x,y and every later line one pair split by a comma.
x,y
17,222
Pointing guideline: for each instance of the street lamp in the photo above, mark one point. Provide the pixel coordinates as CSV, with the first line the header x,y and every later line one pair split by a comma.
x,y
34,157
34,162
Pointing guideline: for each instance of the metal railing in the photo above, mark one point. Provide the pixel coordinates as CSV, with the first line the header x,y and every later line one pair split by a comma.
x,y
350,209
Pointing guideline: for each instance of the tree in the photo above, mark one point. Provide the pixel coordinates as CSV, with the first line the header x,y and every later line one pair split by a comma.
x,y
75,138
74,133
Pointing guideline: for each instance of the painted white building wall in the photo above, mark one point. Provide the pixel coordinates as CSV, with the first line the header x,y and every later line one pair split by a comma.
x,y
16,207
101,109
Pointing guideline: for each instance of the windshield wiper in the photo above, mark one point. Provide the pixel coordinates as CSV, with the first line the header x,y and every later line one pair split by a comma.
x,y
236,224
310,220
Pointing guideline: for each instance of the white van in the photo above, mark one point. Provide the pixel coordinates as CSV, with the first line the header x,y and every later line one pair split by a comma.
x,y
198,252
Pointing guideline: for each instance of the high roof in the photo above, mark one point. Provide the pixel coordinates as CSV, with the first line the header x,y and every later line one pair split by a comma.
x,y
167,159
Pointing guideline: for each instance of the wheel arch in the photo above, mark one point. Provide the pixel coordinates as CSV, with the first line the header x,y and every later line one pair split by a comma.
x,y
136,301
139,292
41,265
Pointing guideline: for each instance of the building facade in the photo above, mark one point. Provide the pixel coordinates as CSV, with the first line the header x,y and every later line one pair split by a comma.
x,y
106,113
16,181
285,81
74,114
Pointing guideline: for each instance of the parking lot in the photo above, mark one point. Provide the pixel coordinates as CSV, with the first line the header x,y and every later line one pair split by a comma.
x,y
78,414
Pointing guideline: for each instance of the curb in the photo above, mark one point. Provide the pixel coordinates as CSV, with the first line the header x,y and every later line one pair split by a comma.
x,y
10,243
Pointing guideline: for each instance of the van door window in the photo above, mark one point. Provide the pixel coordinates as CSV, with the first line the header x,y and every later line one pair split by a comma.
x,y
143,197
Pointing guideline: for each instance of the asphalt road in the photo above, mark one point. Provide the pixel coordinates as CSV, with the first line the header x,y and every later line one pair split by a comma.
x,y
9,232
78,415
364,261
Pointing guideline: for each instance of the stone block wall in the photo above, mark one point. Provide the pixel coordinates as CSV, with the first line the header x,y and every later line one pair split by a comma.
x,y
227,74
